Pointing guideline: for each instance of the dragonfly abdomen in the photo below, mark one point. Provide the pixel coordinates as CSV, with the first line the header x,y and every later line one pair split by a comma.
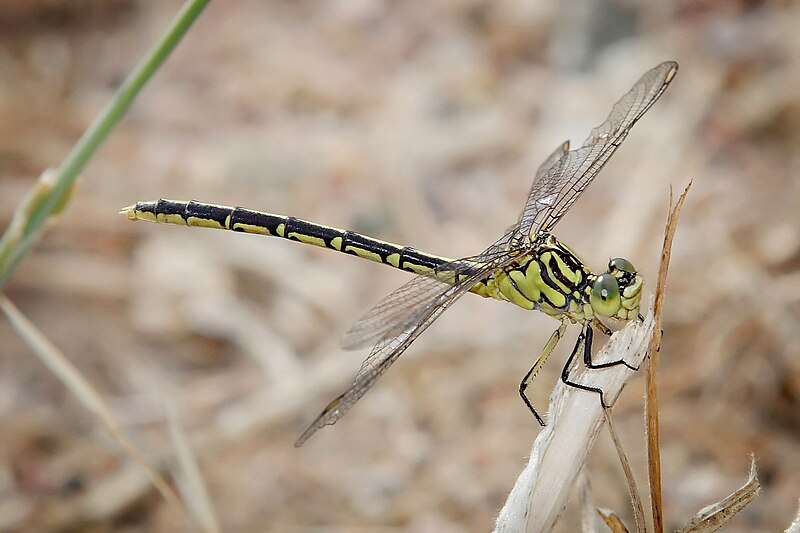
x,y
243,220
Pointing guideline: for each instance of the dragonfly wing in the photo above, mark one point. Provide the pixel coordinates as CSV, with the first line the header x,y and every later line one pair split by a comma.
x,y
551,160
394,313
385,352
415,305
405,305
514,233
557,188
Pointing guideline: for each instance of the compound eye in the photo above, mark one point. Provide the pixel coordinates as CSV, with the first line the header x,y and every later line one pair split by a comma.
x,y
619,263
605,299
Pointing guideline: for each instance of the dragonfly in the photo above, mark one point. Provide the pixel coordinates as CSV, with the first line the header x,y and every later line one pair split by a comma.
x,y
527,266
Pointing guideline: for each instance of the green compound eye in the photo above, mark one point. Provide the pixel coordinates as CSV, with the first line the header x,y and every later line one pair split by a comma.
x,y
605,298
618,263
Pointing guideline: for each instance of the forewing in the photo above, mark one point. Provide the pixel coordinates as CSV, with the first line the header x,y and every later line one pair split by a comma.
x,y
392,314
551,160
557,189
394,343
405,305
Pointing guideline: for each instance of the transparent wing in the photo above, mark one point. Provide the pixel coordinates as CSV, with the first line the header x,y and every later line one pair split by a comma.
x,y
380,359
402,307
551,160
394,313
555,190
408,311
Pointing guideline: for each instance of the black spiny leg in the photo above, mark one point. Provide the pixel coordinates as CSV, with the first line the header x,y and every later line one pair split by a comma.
x,y
585,339
587,355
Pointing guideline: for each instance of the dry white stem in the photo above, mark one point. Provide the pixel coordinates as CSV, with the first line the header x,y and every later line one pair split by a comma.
x,y
588,508
574,420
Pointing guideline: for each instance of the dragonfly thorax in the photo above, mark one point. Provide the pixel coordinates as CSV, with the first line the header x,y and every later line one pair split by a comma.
x,y
549,278
552,279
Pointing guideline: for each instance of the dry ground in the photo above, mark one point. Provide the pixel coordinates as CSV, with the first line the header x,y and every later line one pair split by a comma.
x,y
421,123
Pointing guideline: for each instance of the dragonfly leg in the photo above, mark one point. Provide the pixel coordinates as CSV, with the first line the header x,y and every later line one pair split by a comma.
x,y
537,365
587,355
585,340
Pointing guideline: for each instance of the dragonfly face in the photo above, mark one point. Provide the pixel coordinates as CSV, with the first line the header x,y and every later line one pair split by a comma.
x,y
617,292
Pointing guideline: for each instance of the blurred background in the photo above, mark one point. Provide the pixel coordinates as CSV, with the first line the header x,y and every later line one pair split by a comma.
x,y
420,123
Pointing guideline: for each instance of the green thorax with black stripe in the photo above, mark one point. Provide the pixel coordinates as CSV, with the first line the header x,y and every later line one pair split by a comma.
x,y
550,278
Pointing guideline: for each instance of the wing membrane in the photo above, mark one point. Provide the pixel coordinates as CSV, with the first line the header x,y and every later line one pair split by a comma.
x,y
403,306
402,317
554,192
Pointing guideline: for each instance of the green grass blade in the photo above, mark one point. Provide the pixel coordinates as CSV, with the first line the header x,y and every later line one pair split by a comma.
x,y
50,195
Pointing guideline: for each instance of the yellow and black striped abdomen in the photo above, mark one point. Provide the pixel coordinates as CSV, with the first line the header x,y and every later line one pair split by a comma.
x,y
248,221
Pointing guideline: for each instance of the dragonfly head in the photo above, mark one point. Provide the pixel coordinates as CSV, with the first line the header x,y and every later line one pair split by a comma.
x,y
616,293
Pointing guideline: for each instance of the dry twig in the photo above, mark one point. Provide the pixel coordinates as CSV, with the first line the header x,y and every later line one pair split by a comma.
x,y
575,419
651,403
713,517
